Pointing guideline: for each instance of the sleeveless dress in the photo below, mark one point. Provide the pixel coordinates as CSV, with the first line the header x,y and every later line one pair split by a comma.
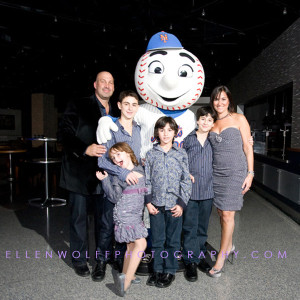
x,y
229,168
129,207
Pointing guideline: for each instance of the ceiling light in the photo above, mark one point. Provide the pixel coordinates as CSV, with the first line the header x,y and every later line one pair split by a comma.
x,y
203,13
284,12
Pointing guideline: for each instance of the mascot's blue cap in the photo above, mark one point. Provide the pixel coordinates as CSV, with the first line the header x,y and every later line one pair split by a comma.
x,y
163,40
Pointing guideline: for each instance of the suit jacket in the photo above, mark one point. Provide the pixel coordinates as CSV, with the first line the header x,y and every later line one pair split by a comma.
x,y
77,130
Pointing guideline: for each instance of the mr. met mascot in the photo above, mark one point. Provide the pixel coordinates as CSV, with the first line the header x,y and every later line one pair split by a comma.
x,y
169,79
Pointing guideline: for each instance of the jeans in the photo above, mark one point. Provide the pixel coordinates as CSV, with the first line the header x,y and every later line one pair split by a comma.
x,y
194,227
165,237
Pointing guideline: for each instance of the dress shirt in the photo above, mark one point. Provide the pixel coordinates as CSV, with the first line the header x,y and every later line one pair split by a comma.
x,y
167,177
200,166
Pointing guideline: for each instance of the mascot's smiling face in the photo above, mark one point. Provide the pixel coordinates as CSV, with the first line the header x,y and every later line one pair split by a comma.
x,y
168,76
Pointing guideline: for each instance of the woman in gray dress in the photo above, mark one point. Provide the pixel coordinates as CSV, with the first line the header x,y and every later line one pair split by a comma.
x,y
232,167
128,212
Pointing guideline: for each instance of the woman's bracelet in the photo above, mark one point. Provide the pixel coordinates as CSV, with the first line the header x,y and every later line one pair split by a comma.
x,y
251,172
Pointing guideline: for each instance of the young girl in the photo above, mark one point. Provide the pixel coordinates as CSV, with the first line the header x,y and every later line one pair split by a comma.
x,y
168,177
128,212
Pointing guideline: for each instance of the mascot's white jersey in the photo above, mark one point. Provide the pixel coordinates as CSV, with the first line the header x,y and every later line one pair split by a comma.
x,y
146,117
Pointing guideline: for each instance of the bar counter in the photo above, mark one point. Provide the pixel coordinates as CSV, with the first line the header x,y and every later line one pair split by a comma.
x,y
278,181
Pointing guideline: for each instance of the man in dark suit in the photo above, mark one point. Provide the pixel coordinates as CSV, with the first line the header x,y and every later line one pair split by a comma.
x,y
77,133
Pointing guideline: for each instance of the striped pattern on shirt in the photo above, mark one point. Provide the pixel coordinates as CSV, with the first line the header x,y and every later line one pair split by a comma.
x,y
134,141
200,166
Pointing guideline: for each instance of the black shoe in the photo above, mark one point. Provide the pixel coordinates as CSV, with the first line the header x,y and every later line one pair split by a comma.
x,y
82,270
99,272
203,266
153,278
165,280
190,272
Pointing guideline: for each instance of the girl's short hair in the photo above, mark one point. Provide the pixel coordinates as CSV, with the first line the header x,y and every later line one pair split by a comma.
x,y
216,93
123,147
162,122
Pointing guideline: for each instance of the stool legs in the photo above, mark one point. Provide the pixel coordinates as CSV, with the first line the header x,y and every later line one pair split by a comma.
x,y
48,201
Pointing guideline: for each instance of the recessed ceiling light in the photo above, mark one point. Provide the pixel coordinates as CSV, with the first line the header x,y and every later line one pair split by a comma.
x,y
284,12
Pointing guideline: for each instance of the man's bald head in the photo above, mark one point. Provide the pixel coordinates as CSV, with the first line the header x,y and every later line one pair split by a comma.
x,y
104,85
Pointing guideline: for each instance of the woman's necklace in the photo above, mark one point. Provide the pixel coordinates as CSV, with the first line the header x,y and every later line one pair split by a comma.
x,y
223,117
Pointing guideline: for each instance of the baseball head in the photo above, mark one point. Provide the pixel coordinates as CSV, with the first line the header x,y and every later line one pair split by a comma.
x,y
168,76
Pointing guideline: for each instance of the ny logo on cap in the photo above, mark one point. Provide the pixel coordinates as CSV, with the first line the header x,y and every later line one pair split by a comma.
x,y
164,38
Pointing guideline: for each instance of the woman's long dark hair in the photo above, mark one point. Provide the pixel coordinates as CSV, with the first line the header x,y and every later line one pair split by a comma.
x,y
216,93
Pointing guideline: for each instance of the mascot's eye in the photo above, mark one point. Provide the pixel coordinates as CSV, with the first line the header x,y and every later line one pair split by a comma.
x,y
156,67
185,71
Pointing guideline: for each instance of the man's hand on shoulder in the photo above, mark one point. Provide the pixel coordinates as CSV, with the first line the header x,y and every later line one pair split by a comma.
x,y
95,150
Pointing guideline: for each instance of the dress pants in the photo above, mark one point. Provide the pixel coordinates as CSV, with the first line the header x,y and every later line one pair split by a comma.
x,y
194,229
79,225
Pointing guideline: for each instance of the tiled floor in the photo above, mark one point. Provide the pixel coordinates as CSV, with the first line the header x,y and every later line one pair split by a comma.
x,y
267,264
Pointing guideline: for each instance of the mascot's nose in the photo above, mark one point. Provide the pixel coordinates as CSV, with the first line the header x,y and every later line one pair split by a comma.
x,y
170,81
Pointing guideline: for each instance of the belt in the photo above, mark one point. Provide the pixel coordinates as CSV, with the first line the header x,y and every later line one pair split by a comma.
x,y
136,191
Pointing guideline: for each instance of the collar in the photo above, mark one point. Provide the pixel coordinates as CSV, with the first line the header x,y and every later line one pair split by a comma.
x,y
193,133
139,169
134,123
159,148
101,105
172,113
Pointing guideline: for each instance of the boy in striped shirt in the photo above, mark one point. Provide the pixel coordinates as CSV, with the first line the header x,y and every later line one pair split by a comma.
x,y
198,210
